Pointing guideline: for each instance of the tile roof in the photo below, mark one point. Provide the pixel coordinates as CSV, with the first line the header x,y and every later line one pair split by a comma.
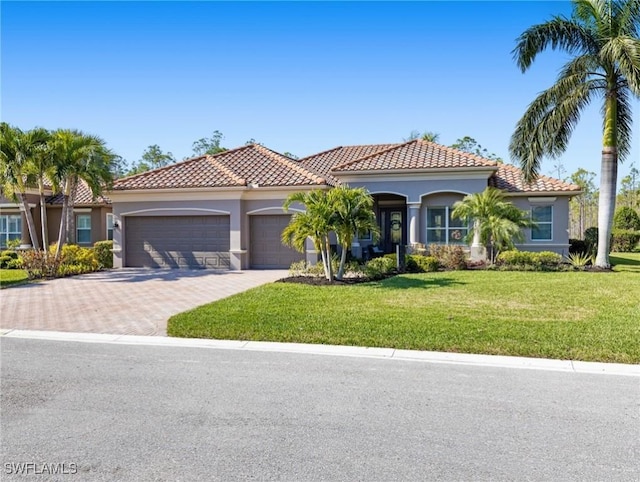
x,y
83,196
415,154
247,165
509,178
323,162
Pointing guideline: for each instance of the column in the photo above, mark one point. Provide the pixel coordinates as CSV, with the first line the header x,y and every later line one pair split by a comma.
x,y
478,252
414,223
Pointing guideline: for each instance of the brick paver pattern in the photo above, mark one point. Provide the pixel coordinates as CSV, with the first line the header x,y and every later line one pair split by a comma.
x,y
128,301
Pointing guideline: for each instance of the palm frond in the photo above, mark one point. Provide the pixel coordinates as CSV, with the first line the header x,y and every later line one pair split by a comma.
x,y
557,33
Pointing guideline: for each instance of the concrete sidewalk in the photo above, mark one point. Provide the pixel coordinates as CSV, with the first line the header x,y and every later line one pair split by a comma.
x,y
130,301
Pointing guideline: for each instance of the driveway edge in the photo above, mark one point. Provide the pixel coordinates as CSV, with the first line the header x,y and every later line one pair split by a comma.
x,y
494,361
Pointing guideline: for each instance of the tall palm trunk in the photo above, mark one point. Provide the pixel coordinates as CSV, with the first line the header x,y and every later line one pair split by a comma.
x,y
343,262
63,225
606,204
31,225
328,266
43,215
608,177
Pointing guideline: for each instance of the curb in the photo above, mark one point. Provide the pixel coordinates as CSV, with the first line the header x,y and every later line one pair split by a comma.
x,y
493,361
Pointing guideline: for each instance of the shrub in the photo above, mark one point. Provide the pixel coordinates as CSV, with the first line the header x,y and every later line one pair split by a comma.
x,y
40,264
103,253
378,268
4,261
626,218
624,240
13,243
449,256
10,253
73,254
15,264
529,260
578,246
426,264
580,260
591,239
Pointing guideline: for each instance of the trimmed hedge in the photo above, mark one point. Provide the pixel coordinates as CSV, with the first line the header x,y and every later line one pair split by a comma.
x,y
624,240
529,260
104,254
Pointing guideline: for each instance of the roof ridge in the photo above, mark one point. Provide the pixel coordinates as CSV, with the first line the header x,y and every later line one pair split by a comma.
x,y
211,159
158,169
458,151
281,158
320,153
383,151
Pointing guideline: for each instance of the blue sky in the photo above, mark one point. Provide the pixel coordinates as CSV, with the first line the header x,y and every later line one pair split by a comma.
x,y
297,77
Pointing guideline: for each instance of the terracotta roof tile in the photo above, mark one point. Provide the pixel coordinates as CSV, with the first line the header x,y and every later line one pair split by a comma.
x,y
323,162
415,154
509,178
83,196
247,165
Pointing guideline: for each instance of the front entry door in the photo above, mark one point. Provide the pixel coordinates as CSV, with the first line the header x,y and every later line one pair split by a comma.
x,y
392,228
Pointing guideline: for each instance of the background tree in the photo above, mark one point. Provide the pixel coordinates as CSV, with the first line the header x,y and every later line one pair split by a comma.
x,y
17,149
208,145
314,223
152,158
470,145
630,189
353,215
428,136
626,218
496,221
602,39
583,208
291,156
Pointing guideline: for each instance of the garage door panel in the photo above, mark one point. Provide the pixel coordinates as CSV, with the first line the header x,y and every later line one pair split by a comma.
x,y
267,250
178,241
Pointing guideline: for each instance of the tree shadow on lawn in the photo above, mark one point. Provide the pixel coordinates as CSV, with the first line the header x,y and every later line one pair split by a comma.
x,y
404,283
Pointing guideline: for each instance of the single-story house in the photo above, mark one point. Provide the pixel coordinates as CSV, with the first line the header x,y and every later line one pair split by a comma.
x,y
93,218
225,211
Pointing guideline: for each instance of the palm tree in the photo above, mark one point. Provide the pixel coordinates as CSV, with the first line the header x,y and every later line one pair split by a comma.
x,y
314,223
41,166
78,157
497,222
430,136
353,214
602,36
17,150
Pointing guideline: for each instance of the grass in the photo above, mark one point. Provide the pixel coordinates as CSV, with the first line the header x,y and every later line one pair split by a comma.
x,y
11,277
591,316
625,262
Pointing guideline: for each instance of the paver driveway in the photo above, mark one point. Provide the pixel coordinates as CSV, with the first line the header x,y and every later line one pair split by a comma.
x,y
128,301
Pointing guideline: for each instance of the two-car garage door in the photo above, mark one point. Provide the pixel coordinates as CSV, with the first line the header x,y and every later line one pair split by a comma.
x,y
177,241
203,242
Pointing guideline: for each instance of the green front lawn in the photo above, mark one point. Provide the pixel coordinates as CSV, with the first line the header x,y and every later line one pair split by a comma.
x,y
567,315
625,261
10,277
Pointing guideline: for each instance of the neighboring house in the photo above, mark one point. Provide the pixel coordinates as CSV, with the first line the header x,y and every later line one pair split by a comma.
x,y
225,211
93,218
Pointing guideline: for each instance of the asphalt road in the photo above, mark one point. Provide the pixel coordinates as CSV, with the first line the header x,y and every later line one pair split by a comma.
x,y
117,412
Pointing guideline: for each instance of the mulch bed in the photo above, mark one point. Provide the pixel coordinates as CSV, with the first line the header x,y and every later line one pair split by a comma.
x,y
322,281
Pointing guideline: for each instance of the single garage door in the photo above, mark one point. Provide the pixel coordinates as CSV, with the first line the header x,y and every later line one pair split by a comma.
x,y
177,241
267,250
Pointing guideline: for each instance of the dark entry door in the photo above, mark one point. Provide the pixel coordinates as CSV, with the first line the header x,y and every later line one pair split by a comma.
x,y
392,228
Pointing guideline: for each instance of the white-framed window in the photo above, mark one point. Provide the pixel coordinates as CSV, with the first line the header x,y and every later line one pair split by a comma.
x,y
10,228
83,228
110,226
543,216
442,228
